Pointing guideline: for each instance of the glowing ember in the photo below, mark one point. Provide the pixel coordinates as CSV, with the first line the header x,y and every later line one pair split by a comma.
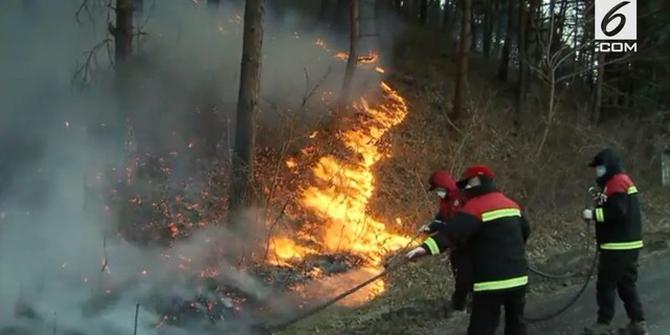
x,y
363,59
340,196
174,230
380,70
320,43
369,58
342,55
209,273
291,163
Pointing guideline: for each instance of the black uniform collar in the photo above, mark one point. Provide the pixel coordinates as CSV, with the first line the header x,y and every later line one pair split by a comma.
x,y
487,186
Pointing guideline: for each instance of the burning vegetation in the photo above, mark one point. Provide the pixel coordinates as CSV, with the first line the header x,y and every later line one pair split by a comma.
x,y
334,203
156,231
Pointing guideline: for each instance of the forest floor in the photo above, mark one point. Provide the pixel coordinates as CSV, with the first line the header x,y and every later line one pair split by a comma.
x,y
551,185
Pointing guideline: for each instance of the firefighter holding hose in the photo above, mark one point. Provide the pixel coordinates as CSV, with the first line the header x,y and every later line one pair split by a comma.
x,y
450,201
495,230
619,237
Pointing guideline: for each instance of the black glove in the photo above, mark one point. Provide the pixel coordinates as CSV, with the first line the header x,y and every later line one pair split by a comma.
x,y
432,227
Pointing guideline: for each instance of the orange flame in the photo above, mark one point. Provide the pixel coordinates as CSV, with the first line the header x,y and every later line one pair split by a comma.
x,y
342,55
286,249
291,163
370,58
341,206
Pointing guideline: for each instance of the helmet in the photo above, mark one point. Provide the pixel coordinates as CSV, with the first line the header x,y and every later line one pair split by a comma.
x,y
475,171
443,179
607,157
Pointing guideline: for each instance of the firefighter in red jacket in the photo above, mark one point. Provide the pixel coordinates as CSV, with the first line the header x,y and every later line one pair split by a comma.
x,y
619,238
495,230
450,200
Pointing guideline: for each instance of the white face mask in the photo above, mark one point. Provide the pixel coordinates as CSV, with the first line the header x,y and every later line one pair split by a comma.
x,y
441,194
600,170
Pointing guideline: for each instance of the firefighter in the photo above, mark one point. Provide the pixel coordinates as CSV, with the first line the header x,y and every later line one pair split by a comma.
x,y
495,231
619,238
450,200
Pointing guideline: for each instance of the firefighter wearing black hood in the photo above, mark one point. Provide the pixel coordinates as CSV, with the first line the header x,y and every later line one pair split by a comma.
x,y
495,230
619,238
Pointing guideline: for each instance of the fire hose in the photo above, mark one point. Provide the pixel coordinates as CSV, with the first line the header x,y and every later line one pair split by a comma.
x,y
573,300
598,200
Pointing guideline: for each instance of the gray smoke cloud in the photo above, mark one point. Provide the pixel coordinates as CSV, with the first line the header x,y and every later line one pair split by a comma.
x,y
55,137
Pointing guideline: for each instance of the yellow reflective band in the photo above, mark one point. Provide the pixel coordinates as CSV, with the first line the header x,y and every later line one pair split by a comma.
x,y
432,246
622,245
632,190
600,215
501,284
500,213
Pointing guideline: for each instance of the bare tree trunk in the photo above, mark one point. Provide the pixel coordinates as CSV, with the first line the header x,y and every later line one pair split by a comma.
x,y
598,94
552,111
497,28
412,9
509,39
397,5
423,14
242,192
354,32
445,15
139,7
473,32
323,10
340,12
463,59
533,28
123,32
523,64
488,29
123,49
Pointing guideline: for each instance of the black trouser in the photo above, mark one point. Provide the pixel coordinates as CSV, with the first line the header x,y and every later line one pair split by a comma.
x,y
461,266
617,271
486,311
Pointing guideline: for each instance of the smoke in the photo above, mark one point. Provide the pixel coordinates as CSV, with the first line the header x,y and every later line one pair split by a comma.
x,y
63,263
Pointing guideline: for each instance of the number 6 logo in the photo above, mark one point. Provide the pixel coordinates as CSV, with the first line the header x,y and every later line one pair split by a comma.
x,y
615,20
611,15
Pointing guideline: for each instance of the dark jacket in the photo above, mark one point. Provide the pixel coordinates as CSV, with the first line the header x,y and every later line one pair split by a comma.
x,y
495,231
618,218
